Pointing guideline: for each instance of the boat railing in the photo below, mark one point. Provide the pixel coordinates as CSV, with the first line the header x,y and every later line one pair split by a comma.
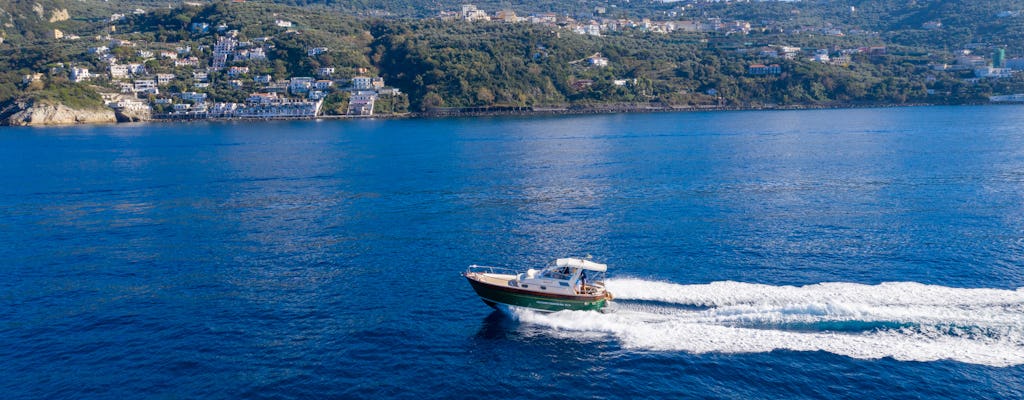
x,y
485,269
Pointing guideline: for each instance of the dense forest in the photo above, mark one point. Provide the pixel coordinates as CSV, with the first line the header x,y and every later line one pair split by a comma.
x,y
456,63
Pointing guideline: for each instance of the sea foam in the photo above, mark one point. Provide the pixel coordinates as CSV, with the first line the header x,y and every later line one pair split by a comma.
x,y
903,320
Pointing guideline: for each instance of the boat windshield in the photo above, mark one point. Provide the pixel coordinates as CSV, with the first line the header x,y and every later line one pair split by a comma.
x,y
561,273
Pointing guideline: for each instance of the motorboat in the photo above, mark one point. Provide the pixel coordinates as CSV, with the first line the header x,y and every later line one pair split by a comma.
x,y
565,284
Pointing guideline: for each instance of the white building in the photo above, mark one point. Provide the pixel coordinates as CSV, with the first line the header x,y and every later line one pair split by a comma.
x,y
163,79
361,103
80,74
300,85
598,61
237,71
146,86
367,83
193,97
325,72
119,71
323,84
990,72
263,98
187,62
471,13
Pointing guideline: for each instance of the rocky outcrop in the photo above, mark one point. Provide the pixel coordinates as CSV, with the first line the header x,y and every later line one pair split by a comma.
x,y
60,15
30,113
39,10
134,114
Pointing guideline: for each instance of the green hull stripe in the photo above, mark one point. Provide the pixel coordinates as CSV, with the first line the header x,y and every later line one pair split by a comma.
x,y
544,303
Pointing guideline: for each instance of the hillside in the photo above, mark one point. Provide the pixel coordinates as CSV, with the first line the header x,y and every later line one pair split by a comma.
x,y
720,54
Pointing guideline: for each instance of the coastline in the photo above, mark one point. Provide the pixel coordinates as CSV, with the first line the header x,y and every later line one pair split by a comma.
x,y
529,111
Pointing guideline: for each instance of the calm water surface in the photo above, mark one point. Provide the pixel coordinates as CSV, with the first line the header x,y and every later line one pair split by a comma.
x,y
875,253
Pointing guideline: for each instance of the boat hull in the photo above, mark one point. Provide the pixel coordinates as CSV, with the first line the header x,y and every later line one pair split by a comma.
x,y
493,295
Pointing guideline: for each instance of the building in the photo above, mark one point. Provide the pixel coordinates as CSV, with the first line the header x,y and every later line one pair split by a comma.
x,y
1011,98
255,54
367,83
361,103
967,61
471,13
597,60
323,84
325,72
36,77
80,74
187,62
761,69
192,96
146,86
163,79
507,16
300,85
237,71
991,72
119,71
263,98
998,58
1015,64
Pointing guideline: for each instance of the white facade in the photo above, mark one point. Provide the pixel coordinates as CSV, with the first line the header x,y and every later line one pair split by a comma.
x,y
367,83
119,71
80,74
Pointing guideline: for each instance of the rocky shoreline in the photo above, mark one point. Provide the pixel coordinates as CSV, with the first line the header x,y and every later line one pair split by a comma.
x,y
27,113
35,113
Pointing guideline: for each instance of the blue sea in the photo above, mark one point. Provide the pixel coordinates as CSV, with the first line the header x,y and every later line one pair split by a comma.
x,y
862,253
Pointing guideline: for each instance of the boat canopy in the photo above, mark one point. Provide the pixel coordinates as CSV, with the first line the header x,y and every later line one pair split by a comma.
x,y
581,263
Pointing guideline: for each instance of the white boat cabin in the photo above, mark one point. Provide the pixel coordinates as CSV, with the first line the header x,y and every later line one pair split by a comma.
x,y
569,276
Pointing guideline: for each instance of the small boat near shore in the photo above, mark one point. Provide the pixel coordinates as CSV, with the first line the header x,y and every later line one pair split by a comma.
x,y
565,284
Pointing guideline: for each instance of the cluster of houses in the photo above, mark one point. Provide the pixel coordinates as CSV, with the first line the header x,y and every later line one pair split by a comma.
x,y
984,68
296,97
598,25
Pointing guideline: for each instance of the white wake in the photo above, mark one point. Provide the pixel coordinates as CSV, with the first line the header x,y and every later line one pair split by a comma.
x,y
903,320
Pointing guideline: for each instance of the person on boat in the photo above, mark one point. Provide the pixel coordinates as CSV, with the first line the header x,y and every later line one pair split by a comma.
x,y
583,282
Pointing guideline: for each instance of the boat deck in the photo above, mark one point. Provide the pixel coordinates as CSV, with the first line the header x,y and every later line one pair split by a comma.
x,y
492,279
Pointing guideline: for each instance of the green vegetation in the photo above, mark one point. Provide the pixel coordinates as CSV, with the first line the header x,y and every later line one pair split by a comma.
x,y
73,95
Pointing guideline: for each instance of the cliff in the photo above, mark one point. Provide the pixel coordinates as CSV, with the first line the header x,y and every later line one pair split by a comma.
x,y
134,115
34,113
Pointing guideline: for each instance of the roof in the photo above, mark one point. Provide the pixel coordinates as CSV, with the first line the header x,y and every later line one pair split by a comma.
x,y
581,263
